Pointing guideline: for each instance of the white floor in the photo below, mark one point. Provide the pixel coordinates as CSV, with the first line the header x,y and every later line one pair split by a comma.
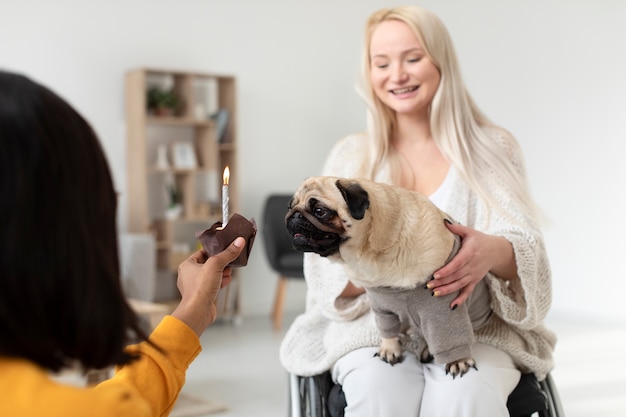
x,y
239,367
590,368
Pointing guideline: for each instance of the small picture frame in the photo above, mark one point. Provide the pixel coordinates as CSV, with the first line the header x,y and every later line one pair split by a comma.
x,y
183,155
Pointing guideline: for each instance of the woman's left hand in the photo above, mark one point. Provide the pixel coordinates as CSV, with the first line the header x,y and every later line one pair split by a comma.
x,y
480,253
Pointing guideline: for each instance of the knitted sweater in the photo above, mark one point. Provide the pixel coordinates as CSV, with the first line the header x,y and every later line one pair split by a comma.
x,y
333,326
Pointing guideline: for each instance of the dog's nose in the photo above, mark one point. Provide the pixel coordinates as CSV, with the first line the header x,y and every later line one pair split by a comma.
x,y
294,217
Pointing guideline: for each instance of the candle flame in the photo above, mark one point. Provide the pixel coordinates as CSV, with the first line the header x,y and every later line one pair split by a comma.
x,y
226,175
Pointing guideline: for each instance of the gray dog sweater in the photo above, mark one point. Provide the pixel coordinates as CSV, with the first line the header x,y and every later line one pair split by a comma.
x,y
448,333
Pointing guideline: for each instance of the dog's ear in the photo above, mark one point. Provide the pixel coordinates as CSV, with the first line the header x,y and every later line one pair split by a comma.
x,y
355,196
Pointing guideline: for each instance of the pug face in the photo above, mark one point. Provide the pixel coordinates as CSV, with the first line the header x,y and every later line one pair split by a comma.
x,y
322,214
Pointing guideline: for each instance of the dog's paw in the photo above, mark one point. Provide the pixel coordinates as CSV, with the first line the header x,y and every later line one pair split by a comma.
x,y
460,367
390,351
426,356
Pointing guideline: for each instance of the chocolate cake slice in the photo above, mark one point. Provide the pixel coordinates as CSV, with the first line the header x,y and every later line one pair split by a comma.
x,y
215,239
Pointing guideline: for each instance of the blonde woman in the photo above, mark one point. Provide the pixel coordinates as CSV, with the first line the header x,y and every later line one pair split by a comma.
x,y
426,134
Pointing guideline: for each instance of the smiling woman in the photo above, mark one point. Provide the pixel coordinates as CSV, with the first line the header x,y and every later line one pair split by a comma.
x,y
426,134
403,76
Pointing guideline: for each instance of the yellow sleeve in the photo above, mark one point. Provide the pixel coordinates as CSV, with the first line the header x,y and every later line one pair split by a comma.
x,y
158,376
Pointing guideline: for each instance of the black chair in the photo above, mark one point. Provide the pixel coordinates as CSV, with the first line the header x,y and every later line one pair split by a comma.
x,y
318,396
281,255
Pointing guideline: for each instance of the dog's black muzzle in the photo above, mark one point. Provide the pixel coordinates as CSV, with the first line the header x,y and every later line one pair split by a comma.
x,y
308,238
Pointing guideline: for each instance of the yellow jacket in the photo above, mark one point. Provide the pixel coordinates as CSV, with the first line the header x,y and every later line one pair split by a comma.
x,y
146,387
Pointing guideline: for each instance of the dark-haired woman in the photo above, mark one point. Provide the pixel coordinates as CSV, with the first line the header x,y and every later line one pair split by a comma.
x,y
61,302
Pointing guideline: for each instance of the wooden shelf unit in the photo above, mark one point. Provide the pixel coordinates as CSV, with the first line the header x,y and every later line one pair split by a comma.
x,y
201,95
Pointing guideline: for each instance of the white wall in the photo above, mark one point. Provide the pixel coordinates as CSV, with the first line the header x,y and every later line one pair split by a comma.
x,y
551,72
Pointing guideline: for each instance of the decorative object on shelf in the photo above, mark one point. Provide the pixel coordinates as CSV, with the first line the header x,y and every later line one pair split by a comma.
x,y
161,158
199,111
174,208
183,155
173,215
206,96
162,102
174,212
220,118
212,178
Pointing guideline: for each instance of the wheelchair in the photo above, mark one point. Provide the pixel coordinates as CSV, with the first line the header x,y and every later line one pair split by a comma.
x,y
319,396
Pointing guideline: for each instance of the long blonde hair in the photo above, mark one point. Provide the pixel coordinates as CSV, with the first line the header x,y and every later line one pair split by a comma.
x,y
461,131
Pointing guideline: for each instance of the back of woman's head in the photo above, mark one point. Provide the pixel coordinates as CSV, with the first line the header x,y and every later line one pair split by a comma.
x,y
60,295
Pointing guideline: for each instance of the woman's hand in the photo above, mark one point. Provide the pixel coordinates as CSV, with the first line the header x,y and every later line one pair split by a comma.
x,y
199,280
480,253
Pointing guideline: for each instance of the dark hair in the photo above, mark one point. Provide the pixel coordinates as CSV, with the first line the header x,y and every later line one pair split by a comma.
x,y
60,293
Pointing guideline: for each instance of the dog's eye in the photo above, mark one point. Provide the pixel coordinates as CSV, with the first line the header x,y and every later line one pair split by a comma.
x,y
321,213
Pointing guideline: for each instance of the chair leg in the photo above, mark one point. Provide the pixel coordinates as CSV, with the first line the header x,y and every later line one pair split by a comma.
x,y
279,300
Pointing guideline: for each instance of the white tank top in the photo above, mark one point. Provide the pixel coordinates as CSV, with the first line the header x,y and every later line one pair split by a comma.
x,y
440,195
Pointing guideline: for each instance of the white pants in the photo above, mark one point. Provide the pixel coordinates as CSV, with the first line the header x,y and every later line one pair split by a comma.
x,y
374,388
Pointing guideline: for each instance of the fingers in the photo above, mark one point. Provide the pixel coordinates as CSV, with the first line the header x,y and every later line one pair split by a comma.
x,y
198,256
445,286
457,228
227,277
463,295
464,287
223,258
464,271
452,271
230,253
226,281
455,277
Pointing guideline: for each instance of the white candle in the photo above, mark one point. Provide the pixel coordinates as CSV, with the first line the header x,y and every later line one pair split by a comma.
x,y
225,196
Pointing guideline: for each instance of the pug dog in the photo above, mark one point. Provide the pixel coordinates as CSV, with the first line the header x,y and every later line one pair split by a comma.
x,y
393,240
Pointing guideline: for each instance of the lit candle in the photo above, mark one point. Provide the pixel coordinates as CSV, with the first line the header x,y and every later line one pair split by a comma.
x,y
225,196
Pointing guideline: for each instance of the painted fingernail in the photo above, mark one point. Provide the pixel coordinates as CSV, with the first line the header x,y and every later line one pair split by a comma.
x,y
454,307
447,221
428,286
436,293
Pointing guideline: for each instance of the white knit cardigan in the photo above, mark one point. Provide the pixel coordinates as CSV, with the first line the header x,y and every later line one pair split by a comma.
x,y
332,327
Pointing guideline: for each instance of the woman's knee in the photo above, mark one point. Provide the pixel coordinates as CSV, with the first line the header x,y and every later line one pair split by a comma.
x,y
483,392
375,388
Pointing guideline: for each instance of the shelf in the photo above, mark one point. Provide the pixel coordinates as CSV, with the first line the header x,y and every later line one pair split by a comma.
x,y
153,170
227,147
178,121
171,139
187,220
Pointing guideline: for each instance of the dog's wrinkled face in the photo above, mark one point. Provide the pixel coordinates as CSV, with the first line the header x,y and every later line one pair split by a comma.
x,y
322,212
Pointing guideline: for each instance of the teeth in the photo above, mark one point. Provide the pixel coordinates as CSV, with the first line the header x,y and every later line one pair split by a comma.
x,y
403,90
